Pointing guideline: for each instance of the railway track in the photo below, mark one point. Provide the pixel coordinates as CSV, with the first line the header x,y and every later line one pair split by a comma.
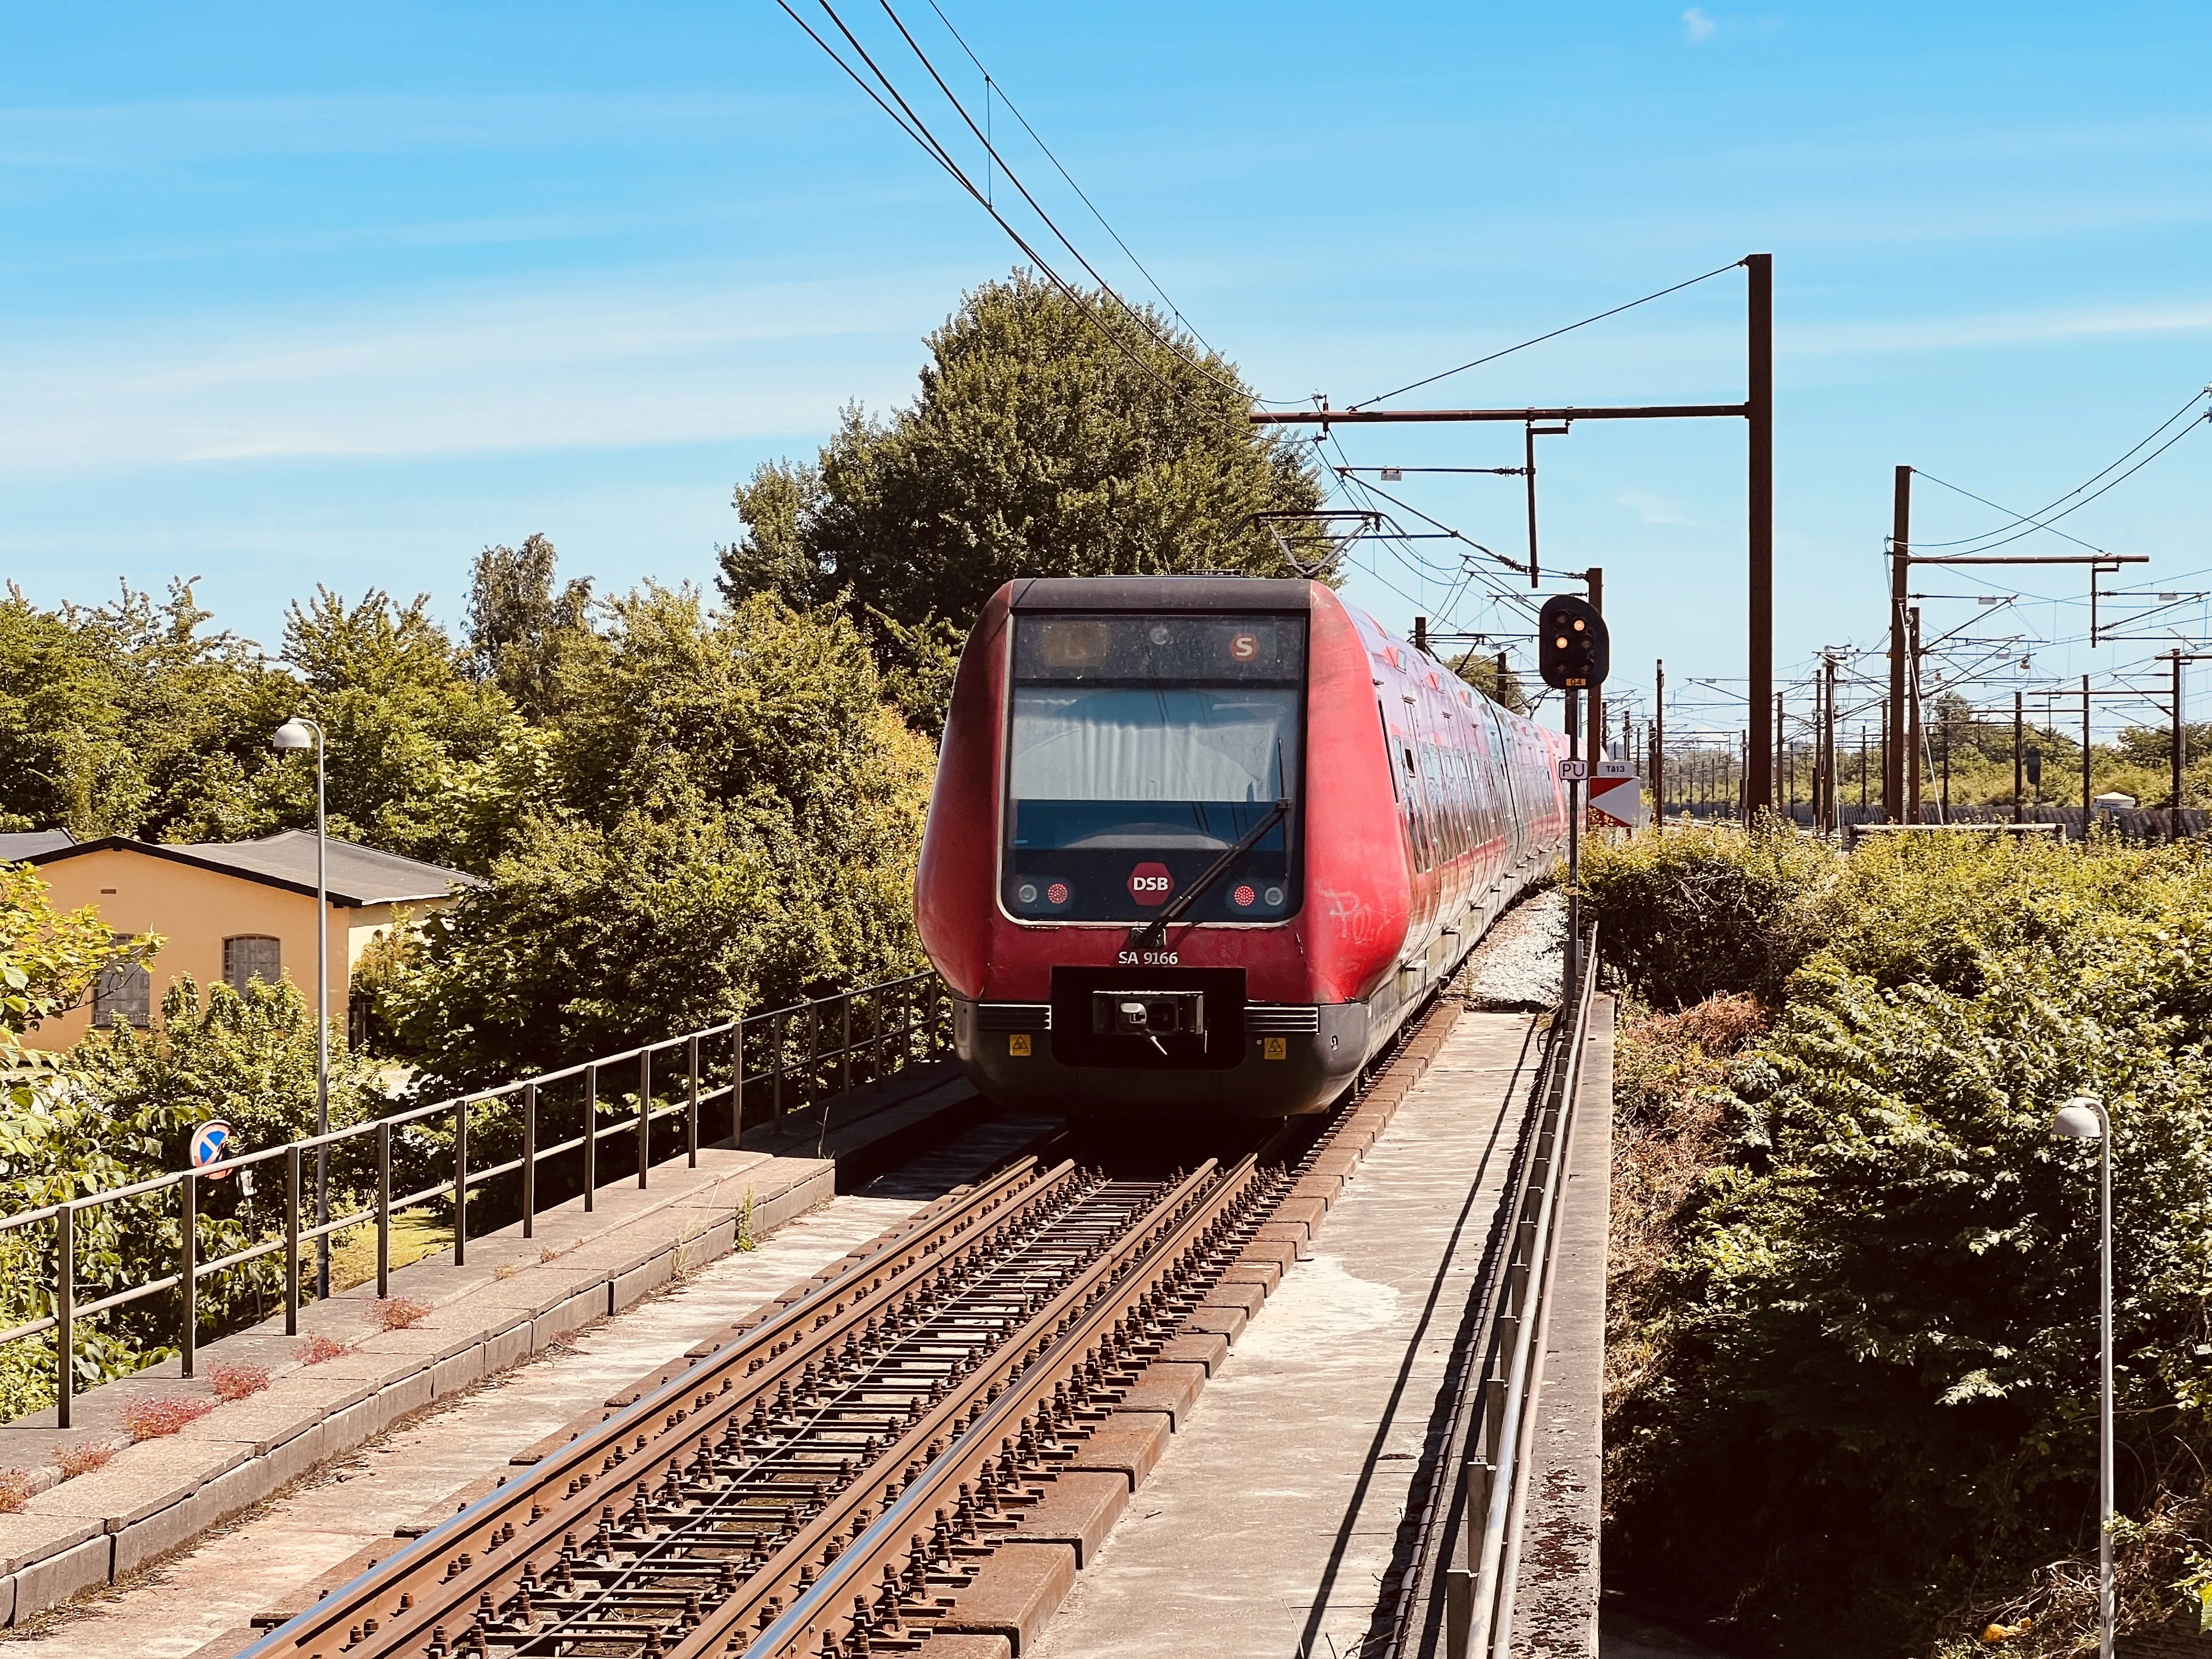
x,y
824,1485
829,1480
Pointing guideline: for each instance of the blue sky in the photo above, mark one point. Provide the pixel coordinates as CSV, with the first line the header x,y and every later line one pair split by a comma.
x,y
291,296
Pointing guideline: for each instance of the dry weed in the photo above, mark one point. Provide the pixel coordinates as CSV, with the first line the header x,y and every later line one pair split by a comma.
x,y
163,1414
84,1458
236,1382
396,1313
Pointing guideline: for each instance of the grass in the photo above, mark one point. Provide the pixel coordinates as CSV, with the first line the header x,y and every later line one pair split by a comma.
x,y
414,1234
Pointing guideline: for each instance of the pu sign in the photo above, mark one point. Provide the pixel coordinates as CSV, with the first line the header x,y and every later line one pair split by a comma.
x,y
1616,794
1151,884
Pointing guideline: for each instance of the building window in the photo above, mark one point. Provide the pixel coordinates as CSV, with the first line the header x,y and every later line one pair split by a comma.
x,y
249,956
125,991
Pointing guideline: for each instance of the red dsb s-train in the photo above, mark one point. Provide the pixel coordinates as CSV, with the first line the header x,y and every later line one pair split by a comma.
x,y
1199,843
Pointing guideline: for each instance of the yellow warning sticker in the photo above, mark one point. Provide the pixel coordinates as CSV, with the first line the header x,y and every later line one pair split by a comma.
x,y
1018,1043
1274,1048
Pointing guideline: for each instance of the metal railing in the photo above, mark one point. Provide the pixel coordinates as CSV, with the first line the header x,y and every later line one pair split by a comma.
x,y
779,1060
1456,1597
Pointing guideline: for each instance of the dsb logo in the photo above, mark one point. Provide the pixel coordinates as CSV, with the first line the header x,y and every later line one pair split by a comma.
x,y
1151,884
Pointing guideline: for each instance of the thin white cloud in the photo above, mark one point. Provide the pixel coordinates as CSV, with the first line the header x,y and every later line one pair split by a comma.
x,y
72,137
1697,26
1997,328
656,363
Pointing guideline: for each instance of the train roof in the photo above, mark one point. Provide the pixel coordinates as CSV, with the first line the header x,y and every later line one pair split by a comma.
x,y
1161,593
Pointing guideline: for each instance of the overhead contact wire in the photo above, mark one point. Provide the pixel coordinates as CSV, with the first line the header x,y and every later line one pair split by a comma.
x,y
1445,374
918,129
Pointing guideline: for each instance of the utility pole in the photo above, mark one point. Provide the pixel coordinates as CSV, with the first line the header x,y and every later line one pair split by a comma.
x,y
1945,812
1862,772
1759,412
2085,758
2018,756
1776,776
1659,745
1593,745
2175,759
1913,715
1901,567
1501,683
1421,634
1828,815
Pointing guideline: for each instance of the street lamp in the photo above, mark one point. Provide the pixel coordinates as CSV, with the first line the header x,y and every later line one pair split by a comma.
x,y
2084,1118
301,732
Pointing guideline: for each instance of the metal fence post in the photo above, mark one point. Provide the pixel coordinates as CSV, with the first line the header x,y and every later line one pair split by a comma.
x,y
814,1078
845,1044
65,1313
292,1239
776,1022
460,1182
383,1207
644,1115
591,1133
529,1159
691,1112
737,1081
876,1022
188,1262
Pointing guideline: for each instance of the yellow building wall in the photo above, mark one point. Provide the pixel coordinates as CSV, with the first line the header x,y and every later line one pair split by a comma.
x,y
195,909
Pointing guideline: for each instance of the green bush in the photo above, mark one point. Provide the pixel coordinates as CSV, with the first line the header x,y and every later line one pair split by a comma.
x,y
1876,1405
1709,910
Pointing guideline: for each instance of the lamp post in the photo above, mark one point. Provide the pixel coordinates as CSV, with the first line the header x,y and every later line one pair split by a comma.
x,y
2084,1118
301,732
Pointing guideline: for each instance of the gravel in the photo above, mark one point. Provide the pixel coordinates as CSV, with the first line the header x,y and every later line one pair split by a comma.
x,y
1517,968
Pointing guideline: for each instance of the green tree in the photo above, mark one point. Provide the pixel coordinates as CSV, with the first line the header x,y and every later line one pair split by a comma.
x,y
247,1057
1037,447
112,1112
521,631
743,810
424,759
118,719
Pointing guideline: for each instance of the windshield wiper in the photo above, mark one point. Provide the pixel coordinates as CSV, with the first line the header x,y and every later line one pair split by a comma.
x,y
1154,933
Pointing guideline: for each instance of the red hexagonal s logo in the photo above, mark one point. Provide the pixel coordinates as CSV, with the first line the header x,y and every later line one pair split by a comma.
x,y
1151,884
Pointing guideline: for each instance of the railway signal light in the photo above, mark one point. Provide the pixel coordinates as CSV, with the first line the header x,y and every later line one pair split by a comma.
x,y
1573,650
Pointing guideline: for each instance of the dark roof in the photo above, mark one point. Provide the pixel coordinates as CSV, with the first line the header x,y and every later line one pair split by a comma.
x,y
22,844
355,875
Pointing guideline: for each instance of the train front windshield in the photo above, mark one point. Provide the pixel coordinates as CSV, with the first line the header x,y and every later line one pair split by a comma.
x,y
1143,748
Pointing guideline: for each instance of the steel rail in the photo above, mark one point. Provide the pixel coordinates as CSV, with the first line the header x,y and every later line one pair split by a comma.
x,y
1075,1360
1499,1413
865,1446
1433,1606
402,1599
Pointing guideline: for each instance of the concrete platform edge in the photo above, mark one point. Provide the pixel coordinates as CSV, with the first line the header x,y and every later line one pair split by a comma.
x,y
154,1497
